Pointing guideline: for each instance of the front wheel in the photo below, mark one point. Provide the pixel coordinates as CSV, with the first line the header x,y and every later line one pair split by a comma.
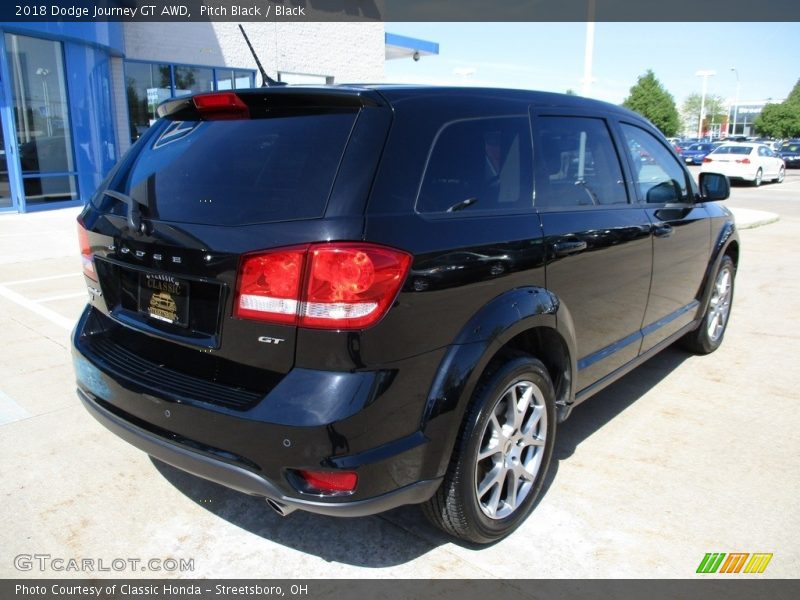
x,y
501,456
708,335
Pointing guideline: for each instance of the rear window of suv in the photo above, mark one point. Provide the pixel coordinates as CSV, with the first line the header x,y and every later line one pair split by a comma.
x,y
238,172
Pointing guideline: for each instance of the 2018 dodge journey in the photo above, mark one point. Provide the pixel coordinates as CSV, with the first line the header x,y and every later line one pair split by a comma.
x,y
349,298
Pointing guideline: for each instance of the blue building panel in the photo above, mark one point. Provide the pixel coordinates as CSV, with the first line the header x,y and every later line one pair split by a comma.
x,y
92,115
104,35
86,50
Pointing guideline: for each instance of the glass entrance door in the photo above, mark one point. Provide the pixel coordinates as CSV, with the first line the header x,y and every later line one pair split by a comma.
x,y
6,200
41,119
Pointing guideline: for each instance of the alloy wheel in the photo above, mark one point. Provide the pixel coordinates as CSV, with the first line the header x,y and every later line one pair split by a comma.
x,y
720,305
511,450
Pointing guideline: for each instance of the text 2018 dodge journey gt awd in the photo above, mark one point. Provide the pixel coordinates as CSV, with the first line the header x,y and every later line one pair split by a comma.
x,y
347,299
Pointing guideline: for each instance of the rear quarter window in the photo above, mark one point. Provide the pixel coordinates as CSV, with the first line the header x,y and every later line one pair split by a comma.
x,y
481,164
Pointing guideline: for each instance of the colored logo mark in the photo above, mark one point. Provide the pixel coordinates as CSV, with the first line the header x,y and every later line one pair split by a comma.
x,y
734,562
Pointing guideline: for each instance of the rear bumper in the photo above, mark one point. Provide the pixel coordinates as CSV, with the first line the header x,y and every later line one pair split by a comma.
x,y
244,480
366,421
745,174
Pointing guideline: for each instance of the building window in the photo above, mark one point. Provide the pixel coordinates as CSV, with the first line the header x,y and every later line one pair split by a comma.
x,y
193,80
233,80
41,117
149,84
304,78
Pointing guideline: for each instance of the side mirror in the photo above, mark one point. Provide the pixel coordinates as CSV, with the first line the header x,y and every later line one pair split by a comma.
x,y
714,186
666,192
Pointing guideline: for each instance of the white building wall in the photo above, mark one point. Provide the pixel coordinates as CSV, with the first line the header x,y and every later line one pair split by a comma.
x,y
348,52
340,52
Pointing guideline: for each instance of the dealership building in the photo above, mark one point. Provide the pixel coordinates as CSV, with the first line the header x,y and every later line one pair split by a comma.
x,y
75,96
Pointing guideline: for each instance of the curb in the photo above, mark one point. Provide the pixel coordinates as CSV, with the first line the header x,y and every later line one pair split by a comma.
x,y
750,219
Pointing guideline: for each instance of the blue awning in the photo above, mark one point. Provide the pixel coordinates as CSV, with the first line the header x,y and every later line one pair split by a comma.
x,y
401,46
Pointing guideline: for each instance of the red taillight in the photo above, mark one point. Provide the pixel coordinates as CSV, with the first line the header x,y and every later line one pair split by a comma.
x,y
221,105
350,286
87,258
324,286
744,161
706,160
269,286
329,482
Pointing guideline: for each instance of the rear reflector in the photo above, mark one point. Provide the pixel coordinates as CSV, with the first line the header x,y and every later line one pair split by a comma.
x,y
325,286
744,161
221,105
706,160
329,482
87,258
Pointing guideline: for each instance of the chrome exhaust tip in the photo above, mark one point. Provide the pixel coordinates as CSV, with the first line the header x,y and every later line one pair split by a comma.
x,y
280,508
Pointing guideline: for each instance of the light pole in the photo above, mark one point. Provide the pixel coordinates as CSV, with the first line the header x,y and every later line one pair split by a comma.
x,y
43,73
736,101
588,53
705,75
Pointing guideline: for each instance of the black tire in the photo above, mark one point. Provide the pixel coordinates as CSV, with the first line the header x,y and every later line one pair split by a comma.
x,y
781,175
705,339
457,507
759,178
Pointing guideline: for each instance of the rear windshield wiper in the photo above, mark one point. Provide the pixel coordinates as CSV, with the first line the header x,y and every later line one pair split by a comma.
x,y
462,205
134,212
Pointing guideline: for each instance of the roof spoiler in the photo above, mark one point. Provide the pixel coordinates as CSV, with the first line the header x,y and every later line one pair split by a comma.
x,y
251,103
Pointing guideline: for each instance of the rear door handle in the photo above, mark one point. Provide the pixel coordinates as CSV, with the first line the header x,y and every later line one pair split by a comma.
x,y
568,247
662,230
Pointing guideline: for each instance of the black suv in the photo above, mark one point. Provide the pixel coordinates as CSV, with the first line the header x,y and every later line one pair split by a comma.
x,y
347,299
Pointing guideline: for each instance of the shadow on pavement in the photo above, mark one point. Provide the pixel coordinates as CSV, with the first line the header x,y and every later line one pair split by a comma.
x,y
403,534
592,415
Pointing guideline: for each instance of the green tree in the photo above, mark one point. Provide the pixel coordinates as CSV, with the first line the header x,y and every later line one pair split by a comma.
x,y
794,95
651,100
781,120
715,111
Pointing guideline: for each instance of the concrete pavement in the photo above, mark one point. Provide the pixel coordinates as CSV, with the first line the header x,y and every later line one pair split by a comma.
x,y
685,455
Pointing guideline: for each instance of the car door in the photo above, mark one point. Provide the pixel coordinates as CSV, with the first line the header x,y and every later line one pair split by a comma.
x,y
597,239
681,234
771,162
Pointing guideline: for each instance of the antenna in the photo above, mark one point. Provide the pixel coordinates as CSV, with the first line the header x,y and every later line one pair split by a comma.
x,y
266,80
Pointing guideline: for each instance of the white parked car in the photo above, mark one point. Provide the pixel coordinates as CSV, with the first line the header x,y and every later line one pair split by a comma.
x,y
746,161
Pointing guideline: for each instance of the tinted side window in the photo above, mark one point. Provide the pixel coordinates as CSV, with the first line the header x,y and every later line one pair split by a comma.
x,y
576,163
479,164
658,175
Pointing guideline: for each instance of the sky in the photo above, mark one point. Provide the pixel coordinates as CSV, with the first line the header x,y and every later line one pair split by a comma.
x,y
550,57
